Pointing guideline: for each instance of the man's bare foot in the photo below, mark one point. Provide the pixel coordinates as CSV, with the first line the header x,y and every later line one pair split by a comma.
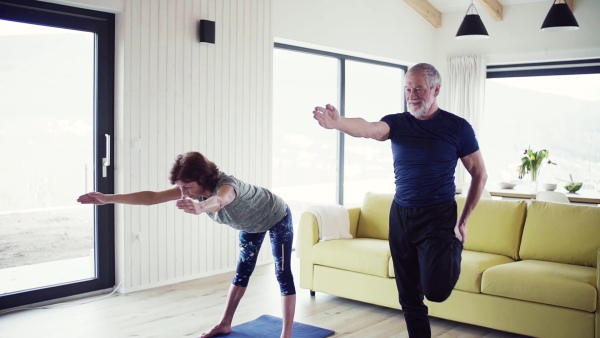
x,y
217,329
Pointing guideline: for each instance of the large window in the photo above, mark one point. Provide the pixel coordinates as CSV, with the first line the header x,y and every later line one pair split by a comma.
x,y
312,165
554,106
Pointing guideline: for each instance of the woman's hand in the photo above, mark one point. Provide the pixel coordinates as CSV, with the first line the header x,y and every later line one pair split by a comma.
x,y
97,198
191,207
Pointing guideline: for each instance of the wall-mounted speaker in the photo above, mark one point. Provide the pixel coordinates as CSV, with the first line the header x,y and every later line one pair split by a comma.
x,y
206,31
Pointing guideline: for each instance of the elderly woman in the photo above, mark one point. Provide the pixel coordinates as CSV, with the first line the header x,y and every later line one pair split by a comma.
x,y
202,187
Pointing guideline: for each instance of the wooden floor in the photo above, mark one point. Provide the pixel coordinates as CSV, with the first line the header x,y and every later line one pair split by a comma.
x,y
187,309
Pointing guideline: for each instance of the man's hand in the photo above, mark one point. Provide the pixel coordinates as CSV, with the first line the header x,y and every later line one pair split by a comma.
x,y
460,230
327,117
191,207
97,198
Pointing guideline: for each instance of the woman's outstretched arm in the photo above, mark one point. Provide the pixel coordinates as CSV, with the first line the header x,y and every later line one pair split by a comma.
x,y
136,198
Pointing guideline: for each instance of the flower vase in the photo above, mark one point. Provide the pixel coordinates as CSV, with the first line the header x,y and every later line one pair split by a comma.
x,y
535,179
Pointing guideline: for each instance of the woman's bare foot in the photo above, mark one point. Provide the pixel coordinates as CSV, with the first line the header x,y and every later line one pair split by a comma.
x,y
217,329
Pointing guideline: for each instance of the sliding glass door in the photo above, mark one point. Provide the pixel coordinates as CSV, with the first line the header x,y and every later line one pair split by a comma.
x,y
56,122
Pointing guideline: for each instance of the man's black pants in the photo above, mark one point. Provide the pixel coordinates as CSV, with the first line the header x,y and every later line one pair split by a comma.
x,y
426,256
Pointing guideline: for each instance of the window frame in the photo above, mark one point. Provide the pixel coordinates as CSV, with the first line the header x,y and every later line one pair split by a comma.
x,y
574,67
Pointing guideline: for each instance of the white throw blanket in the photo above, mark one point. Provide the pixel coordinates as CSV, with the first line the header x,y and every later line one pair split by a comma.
x,y
334,222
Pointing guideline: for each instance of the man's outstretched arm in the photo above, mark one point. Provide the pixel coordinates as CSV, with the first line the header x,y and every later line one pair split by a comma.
x,y
329,118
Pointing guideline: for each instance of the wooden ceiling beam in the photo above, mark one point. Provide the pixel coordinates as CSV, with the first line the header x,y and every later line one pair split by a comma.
x,y
570,4
434,17
427,11
494,8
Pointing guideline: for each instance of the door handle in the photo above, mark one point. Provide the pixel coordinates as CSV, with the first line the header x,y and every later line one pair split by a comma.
x,y
106,160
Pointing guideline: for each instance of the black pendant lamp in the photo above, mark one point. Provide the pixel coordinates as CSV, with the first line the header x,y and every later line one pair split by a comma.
x,y
560,18
472,27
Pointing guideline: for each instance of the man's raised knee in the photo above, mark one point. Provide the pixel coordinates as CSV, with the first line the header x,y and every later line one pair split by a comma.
x,y
438,295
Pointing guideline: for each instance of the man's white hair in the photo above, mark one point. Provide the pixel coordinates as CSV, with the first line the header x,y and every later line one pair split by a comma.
x,y
432,76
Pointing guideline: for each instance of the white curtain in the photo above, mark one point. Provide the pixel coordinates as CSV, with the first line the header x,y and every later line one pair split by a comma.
x,y
465,90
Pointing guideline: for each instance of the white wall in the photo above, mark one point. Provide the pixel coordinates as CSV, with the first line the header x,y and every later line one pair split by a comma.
x,y
180,95
387,30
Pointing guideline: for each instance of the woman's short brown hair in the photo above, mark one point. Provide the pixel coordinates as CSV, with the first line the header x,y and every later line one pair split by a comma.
x,y
195,167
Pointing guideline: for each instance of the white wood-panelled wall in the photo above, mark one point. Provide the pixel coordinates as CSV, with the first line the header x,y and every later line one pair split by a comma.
x,y
180,95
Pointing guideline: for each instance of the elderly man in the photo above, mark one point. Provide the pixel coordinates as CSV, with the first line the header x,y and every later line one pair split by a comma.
x,y
426,235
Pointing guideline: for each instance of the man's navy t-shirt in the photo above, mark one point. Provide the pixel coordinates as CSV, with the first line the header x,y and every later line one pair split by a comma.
x,y
425,156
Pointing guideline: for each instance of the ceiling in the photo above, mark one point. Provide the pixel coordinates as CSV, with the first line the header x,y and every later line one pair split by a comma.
x,y
431,10
445,6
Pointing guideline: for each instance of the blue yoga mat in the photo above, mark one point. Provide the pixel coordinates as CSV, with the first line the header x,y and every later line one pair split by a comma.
x,y
267,326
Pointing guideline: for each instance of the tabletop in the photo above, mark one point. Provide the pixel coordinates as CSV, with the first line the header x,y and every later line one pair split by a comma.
x,y
586,196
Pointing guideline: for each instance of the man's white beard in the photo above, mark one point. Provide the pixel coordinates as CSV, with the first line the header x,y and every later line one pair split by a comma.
x,y
419,112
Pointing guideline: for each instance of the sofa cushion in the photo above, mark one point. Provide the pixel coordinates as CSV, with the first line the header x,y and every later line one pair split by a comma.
x,y
569,286
495,226
562,233
374,218
472,266
363,255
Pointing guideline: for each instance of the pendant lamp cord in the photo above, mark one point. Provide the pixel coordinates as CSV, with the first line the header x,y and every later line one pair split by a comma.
x,y
475,9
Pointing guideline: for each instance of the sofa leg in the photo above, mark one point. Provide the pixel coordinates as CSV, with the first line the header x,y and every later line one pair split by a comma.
x,y
312,293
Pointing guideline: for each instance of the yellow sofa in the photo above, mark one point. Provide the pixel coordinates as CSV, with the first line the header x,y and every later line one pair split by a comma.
x,y
528,270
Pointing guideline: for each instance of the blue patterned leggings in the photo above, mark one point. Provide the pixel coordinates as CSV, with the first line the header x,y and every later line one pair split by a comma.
x,y
282,236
